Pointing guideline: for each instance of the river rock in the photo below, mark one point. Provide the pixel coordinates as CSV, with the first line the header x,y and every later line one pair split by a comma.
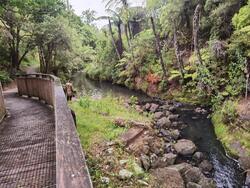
x,y
193,185
206,166
194,174
156,146
164,107
173,117
198,157
175,134
200,110
182,167
163,122
147,106
172,109
165,133
153,108
244,162
207,182
185,147
158,115
125,174
166,160
168,178
167,113
169,158
145,162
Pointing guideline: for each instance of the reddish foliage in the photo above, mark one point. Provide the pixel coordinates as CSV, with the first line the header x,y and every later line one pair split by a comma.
x,y
152,78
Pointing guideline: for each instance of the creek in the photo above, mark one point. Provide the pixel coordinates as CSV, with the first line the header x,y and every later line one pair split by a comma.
x,y
226,173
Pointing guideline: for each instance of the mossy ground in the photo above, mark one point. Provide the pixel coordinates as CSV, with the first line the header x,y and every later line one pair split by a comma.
x,y
95,126
229,134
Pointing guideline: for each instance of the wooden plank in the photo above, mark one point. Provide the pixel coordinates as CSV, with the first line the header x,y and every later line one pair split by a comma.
x,y
71,166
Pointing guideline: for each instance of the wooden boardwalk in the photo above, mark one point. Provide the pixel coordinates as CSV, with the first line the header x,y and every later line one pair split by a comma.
x,y
27,144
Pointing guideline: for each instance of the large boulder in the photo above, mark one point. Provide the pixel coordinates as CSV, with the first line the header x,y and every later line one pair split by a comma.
x,y
163,122
167,178
185,147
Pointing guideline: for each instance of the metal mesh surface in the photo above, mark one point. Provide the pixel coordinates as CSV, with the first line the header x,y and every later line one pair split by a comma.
x,y
27,145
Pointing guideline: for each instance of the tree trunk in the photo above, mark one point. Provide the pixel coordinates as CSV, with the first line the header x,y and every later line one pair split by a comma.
x,y
178,54
14,61
196,27
129,31
120,44
113,39
42,59
158,48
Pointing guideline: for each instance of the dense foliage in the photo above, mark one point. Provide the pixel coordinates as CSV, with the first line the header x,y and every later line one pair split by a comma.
x,y
47,33
195,50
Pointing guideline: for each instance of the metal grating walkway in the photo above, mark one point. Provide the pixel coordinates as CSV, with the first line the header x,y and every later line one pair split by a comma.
x,y
27,144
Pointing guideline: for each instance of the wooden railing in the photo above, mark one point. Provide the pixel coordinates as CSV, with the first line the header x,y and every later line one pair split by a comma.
x,y
71,168
2,106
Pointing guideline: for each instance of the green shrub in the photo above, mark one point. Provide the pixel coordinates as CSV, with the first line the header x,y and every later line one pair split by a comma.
x,y
4,77
229,112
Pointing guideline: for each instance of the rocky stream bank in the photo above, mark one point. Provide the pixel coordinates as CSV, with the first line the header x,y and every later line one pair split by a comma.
x,y
159,150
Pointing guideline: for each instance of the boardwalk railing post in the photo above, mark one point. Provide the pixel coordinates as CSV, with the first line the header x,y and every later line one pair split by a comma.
x,y
71,168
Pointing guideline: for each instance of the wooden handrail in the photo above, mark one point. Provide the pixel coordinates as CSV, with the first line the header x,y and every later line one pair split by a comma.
x,y
2,105
71,168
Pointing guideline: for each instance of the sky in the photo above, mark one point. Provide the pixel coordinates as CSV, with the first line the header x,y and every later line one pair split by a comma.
x,y
98,6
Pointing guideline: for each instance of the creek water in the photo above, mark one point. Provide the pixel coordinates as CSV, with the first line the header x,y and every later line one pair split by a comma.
x,y
227,173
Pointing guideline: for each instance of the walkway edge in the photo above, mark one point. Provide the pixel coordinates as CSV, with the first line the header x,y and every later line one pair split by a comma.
x,y
71,167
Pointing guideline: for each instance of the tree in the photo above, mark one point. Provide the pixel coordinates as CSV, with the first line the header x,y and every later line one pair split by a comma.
x,y
153,8
171,21
18,20
196,26
88,16
15,18
111,34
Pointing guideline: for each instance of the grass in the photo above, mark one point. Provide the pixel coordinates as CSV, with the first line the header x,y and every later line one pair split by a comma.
x,y
95,126
228,136
95,118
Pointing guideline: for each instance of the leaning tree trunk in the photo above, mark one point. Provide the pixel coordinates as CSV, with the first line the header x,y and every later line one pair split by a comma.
x,y
196,27
178,54
113,39
158,49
